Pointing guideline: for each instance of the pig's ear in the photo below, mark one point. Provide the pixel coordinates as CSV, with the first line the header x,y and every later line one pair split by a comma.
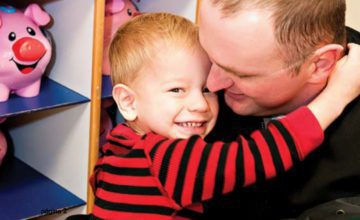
x,y
35,13
114,6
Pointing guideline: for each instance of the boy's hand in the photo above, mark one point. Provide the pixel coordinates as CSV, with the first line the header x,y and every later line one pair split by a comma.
x,y
345,80
343,87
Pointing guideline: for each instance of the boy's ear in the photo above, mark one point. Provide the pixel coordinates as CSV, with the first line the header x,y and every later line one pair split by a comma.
x,y
324,61
125,100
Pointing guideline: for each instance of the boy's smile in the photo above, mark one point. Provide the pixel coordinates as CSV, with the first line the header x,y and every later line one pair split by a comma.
x,y
171,95
192,128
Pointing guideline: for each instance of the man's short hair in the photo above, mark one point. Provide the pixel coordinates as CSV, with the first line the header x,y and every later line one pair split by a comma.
x,y
137,42
300,26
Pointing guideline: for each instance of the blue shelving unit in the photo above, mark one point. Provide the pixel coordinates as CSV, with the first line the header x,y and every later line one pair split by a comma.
x,y
52,95
26,193
106,88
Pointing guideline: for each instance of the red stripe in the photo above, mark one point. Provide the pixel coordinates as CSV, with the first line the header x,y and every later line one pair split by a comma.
x,y
173,168
230,168
197,207
265,153
116,215
128,180
180,218
115,149
134,199
249,164
283,148
150,142
210,171
123,162
159,155
190,177
303,125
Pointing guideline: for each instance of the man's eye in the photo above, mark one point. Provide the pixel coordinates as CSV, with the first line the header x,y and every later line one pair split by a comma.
x,y
206,90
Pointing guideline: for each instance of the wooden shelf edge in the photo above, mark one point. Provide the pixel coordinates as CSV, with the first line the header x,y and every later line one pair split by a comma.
x,y
99,15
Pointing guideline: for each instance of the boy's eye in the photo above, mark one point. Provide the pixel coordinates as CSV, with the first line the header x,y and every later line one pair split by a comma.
x,y
176,90
206,90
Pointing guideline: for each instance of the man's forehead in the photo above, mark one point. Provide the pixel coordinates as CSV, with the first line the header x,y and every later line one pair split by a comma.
x,y
246,70
244,43
229,8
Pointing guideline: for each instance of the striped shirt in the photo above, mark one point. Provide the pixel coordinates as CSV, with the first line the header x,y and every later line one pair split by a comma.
x,y
153,177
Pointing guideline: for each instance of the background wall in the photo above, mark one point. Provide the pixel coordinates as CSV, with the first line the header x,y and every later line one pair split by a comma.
x,y
353,14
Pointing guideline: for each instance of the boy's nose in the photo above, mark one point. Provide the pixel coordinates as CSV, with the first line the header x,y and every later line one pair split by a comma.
x,y
218,79
198,103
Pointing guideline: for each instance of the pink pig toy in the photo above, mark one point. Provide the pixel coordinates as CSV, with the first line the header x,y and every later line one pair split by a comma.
x,y
117,12
3,143
25,51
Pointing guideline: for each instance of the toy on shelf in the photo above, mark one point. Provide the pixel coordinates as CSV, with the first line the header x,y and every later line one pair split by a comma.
x,y
25,51
117,12
3,143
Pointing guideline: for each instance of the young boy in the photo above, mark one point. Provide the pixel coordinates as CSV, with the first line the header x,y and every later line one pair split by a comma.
x,y
157,165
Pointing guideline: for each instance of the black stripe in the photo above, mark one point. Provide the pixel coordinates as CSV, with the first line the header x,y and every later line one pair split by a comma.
x,y
187,213
289,141
119,144
99,166
239,163
108,153
199,182
135,153
135,190
166,161
154,149
153,209
119,137
275,154
126,170
220,171
183,168
92,217
259,167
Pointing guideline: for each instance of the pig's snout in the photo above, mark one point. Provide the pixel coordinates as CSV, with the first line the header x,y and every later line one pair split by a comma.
x,y
28,49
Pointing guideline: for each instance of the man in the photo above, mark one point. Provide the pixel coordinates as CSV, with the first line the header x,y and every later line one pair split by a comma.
x,y
269,57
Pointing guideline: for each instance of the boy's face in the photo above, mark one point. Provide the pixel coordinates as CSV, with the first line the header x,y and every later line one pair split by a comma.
x,y
171,95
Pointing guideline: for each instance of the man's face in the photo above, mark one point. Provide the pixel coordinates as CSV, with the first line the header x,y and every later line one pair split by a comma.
x,y
247,63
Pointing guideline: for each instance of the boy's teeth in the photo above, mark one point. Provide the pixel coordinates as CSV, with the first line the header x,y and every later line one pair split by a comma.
x,y
191,124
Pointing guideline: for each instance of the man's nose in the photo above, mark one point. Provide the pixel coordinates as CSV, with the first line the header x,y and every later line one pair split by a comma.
x,y
218,79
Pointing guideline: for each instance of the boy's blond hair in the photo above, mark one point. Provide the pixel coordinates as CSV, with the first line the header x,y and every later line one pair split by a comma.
x,y
137,42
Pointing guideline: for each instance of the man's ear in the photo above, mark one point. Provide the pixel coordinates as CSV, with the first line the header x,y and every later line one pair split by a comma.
x,y
126,101
324,61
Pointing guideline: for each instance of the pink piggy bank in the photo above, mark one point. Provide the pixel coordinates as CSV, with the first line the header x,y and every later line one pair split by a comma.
x,y
117,12
25,51
3,144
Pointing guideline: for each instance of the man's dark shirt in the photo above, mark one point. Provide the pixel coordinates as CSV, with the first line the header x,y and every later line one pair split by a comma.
x,y
331,172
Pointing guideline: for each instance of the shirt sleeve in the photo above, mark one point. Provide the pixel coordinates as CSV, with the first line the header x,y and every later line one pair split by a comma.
x,y
191,170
